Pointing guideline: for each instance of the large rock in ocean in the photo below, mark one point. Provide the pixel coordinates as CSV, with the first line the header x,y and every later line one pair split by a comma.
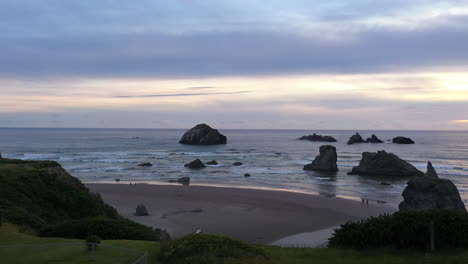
x,y
429,192
326,161
356,138
402,140
382,163
318,138
203,134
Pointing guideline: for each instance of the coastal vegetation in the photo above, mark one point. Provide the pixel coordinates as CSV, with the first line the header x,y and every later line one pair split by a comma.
x,y
405,230
42,198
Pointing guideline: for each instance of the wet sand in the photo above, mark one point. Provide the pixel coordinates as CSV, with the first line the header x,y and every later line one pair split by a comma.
x,y
257,216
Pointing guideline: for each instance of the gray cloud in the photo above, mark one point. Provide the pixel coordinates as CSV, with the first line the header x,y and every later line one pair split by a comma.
x,y
177,95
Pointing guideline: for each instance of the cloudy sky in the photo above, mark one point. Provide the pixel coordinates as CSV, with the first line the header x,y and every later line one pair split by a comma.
x,y
297,64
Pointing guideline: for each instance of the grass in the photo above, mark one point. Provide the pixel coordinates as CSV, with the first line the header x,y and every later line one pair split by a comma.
x,y
9,235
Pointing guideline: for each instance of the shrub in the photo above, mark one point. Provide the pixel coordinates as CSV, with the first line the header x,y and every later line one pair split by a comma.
x,y
206,248
103,227
405,230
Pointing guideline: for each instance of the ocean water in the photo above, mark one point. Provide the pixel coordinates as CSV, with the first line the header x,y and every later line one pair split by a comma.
x,y
274,158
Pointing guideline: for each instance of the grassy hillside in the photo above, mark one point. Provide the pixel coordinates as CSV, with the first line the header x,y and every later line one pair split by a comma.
x,y
41,196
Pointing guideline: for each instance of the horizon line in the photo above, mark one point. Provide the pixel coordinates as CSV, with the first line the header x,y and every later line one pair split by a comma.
x,y
291,129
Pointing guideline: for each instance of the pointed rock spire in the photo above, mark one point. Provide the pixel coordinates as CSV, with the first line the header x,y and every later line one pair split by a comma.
x,y
431,173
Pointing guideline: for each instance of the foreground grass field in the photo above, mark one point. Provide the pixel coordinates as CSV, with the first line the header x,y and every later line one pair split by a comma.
x,y
9,235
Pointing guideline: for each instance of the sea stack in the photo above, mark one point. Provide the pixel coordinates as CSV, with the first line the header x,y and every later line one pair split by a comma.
x,y
356,138
373,139
429,192
402,140
381,163
318,138
325,161
203,134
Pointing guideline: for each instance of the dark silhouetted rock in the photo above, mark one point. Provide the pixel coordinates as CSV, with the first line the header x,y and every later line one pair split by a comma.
x,y
351,173
247,175
203,134
117,180
238,163
146,164
428,192
1,155
141,210
213,162
373,139
385,183
402,140
196,164
382,163
325,161
355,139
319,138
183,180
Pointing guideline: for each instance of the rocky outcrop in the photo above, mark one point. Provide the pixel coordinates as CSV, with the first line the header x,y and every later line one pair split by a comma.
x,y
141,210
318,138
382,163
213,162
146,164
203,134
237,163
325,161
247,175
429,192
373,139
402,140
196,164
356,138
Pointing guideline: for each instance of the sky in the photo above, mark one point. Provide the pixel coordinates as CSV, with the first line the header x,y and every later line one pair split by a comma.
x,y
256,64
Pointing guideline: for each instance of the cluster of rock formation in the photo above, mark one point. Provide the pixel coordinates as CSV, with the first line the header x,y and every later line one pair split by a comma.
x,y
356,138
318,138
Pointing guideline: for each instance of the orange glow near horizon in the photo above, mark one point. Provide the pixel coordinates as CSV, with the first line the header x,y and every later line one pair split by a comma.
x,y
460,121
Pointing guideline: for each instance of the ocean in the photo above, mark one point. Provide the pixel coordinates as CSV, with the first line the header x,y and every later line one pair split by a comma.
x,y
274,158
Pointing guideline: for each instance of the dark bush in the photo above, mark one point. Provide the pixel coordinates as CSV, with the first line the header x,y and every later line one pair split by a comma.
x,y
206,248
103,227
405,230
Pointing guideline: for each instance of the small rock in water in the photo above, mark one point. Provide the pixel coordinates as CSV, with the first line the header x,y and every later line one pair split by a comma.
x,y
356,138
146,164
238,163
141,210
117,180
196,164
385,183
402,140
373,139
213,162
247,175
197,210
184,180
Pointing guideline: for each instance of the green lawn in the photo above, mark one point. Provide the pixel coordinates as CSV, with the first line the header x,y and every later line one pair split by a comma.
x,y
77,254
9,235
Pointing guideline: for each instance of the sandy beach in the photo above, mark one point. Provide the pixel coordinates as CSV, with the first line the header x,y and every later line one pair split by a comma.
x,y
258,216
